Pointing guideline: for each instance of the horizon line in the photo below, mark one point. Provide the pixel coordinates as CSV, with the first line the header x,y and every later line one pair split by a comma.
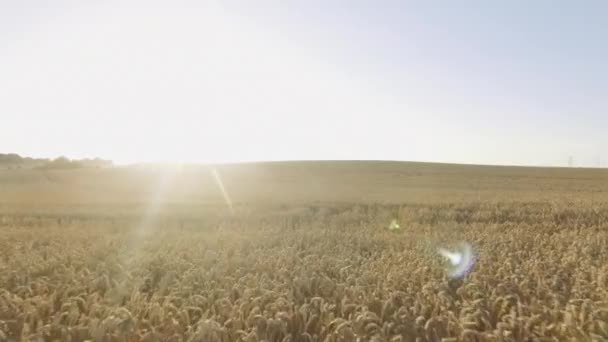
x,y
268,161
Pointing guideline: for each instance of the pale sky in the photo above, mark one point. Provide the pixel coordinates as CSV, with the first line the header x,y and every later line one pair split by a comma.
x,y
490,82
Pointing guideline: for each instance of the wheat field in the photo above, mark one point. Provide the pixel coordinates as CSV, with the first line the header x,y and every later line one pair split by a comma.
x,y
300,251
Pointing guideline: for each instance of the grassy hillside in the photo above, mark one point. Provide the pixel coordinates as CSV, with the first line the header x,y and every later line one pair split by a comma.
x,y
302,182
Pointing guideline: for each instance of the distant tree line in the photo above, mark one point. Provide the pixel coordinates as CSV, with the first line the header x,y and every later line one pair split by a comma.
x,y
15,161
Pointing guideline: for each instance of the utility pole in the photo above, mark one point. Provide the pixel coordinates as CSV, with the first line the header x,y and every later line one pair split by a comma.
x,y
570,161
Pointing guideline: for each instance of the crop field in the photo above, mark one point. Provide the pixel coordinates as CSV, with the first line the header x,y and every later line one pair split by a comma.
x,y
302,251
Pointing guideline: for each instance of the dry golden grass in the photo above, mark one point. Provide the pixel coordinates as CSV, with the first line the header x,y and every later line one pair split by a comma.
x,y
79,260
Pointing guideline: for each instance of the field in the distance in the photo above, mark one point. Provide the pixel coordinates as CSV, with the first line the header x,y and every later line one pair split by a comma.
x,y
299,251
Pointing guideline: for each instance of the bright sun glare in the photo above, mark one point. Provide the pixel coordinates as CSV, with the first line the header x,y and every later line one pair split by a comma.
x,y
202,85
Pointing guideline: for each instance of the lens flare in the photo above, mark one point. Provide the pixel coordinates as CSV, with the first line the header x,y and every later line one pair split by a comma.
x,y
394,226
461,260
220,185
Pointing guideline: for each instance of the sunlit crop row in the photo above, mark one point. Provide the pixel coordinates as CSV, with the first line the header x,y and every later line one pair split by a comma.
x,y
541,273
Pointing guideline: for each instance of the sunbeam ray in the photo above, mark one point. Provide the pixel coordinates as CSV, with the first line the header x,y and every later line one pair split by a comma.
x,y
220,184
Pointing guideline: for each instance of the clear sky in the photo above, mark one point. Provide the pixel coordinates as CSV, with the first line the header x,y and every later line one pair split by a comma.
x,y
493,82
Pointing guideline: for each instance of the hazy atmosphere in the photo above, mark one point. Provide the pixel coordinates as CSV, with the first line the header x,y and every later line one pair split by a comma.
x,y
513,82
300,171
